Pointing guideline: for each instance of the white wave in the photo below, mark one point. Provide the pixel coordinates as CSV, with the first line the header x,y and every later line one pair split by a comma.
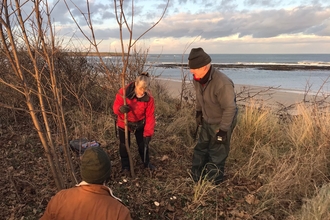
x,y
301,63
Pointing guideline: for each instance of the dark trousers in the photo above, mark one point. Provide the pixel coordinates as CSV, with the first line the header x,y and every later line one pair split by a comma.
x,y
140,143
209,155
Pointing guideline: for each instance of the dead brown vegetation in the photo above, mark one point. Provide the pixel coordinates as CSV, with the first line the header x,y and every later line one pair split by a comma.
x,y
275,171
277,168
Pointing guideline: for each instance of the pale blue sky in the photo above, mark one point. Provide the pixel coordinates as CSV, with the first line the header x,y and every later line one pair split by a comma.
x,y
227,26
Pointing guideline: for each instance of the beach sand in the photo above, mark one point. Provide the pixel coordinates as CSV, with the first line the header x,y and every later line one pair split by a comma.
x,y
273,97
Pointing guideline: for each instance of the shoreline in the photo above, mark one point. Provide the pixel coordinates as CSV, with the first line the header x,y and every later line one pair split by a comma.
x,y
270,96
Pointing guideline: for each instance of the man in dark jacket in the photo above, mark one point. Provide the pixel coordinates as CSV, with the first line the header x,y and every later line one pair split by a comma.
x,y
90,199
216,112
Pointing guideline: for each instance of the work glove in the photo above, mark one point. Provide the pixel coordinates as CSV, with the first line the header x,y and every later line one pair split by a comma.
x,y
221,136
199,115
124,109
147,140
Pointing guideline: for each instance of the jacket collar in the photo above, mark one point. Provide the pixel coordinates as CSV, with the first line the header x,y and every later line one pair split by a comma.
x,y
96,188
130,93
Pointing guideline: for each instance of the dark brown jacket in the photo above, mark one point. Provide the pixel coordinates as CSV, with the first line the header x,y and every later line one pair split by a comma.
x,y
86,202
217,99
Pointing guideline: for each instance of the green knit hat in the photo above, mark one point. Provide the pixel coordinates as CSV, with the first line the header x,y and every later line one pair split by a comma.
x,y
198,58
95,165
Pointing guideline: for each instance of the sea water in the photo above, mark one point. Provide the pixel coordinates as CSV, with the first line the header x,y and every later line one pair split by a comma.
x,y
296,80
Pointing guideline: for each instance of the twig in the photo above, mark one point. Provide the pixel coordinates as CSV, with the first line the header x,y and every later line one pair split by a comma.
x,y
14,185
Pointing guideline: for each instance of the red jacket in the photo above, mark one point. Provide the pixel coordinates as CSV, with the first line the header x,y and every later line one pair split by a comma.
x,y
86,202
141,108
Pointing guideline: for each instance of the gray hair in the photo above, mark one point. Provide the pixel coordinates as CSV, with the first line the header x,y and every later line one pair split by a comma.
x,y
144,79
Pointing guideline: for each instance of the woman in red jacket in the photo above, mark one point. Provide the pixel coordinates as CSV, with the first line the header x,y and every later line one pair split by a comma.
x,y
140,108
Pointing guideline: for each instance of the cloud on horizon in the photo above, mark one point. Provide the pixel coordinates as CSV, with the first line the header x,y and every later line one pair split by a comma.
x,y
258,24
206,20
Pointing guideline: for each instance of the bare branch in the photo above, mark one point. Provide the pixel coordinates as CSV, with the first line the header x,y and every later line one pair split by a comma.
x,y
321,87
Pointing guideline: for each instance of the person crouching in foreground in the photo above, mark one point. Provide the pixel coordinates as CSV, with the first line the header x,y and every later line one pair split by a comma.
x,y
140,108
216,112
91,199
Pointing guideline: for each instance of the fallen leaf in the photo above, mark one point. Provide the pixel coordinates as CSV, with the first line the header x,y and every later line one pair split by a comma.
x,y
251,199
165,157
170,208
237,213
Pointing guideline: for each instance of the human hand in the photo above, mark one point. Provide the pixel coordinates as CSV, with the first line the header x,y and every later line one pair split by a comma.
x,y
199,115
221,136
124,109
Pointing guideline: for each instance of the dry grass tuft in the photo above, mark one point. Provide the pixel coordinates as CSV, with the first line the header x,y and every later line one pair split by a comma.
x,y
290,159
318,207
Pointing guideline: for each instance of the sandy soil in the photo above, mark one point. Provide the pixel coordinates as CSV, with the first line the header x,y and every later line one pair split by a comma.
x,y
272,97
